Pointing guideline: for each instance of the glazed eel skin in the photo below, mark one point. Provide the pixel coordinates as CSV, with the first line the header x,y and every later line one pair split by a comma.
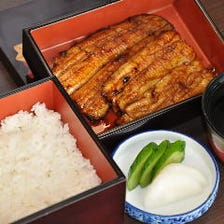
x,y
181,83
135,67
91,97
87,57
166,59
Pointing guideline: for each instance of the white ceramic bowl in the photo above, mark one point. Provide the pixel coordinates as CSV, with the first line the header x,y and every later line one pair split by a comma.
x,y
181,211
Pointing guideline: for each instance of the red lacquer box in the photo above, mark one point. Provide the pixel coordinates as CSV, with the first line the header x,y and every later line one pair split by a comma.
x,y
87,207
41,44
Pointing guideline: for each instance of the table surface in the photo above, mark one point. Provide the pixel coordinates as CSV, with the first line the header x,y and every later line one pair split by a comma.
x,y
215,9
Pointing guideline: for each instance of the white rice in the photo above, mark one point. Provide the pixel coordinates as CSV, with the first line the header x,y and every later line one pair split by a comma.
x,y
40,163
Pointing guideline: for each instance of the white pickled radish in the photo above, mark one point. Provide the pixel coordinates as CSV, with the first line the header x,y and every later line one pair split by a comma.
x,y
175,182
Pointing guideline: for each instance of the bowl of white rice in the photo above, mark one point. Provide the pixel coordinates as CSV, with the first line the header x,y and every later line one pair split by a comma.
x,y
51,163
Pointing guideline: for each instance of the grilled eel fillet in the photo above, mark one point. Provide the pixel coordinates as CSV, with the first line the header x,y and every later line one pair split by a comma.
x,y
128,65
115,84
166,59
81,62
182,82
89,96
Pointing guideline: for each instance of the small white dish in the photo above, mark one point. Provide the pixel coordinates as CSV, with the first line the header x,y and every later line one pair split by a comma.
x,y
179,212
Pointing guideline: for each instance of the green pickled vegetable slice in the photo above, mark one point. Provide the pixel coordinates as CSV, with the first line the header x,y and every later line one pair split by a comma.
x,y
175,153
137,165
146,175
